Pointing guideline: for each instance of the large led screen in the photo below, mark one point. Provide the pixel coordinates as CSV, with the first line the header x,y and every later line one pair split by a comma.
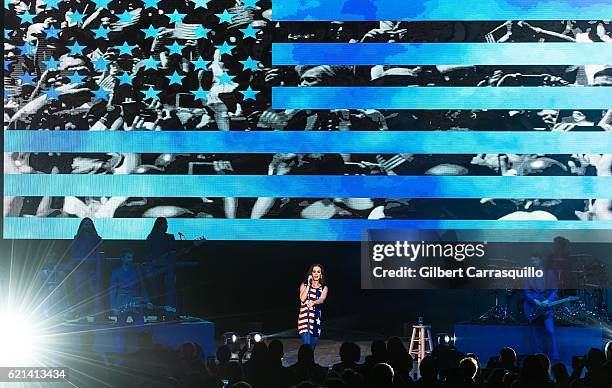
x,y
305,120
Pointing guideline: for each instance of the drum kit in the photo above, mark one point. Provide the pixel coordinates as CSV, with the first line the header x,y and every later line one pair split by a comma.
x,y
587,281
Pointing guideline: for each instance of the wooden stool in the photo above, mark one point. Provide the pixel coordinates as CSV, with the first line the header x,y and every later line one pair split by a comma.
x,y
421,344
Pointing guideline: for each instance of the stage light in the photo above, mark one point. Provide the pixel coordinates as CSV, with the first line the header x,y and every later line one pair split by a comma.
x,y
232,340
19,345
257,337
445,339
252,339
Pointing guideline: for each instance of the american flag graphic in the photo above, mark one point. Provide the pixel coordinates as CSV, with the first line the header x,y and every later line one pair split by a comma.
x,y
303,120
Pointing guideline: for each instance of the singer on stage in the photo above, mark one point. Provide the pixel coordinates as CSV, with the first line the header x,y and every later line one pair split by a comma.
x,y
313,293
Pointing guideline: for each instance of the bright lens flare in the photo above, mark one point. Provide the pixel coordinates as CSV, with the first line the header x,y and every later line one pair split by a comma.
x,y
18,341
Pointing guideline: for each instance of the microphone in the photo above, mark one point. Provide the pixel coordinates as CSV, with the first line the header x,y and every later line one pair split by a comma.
x,y
181,235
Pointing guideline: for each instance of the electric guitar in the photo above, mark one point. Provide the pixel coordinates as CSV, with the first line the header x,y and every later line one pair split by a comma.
x,y
533,311
160,261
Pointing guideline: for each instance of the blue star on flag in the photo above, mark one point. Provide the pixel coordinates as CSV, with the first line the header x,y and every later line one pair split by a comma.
x,y
52,4
150,32
151,93
27,78
249,94
225,17
125,78
125,17
150,63
76,78
76,17
100,94
225,78
26,49
27,17
249,32
200,94
200,63
76,48
51,93
249,3
250,64
100,32
51,63
151,3
201,32
175,78
200,3
125,49
100,64
51,32
175,48
226,48
102,3
176,17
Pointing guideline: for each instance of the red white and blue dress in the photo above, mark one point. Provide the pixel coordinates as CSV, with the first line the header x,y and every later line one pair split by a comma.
x,y
309,321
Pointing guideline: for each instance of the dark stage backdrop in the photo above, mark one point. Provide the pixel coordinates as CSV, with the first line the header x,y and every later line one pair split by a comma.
x,y
252,285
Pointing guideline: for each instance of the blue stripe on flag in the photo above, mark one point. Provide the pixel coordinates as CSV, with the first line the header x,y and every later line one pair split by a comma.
x,y
372,10
306,230
441,54
416,142
441,97
559,187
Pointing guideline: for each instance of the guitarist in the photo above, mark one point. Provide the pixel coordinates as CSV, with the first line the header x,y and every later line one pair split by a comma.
x,y
160,263
160,250
539,294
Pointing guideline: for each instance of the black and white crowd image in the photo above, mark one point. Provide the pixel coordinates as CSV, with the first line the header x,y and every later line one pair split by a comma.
x,y
125,65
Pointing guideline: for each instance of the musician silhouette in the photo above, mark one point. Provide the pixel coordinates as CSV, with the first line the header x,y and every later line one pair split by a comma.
x,y
160,251
127,291
86,260
51,277
540,292
561,262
